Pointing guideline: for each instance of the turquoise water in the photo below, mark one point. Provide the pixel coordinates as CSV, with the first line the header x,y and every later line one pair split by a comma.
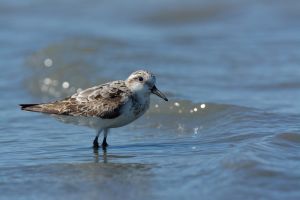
x,y
239,58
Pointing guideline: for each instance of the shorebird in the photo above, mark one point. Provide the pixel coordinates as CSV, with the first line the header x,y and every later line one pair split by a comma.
x,y
105,106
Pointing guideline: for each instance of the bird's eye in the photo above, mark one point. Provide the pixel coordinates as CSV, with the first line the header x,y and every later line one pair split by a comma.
x,y
141,79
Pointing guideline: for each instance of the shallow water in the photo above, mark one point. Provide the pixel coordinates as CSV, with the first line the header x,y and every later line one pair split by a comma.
x,y
239,58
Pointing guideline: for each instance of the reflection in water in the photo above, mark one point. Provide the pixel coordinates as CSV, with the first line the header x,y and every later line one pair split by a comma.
x,y
96,155
81,181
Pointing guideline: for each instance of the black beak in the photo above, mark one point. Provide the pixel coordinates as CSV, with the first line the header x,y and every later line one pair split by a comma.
x,y
154,90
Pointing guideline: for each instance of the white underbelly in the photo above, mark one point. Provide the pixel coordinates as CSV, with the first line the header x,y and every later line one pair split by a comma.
x,y
127,116
96,122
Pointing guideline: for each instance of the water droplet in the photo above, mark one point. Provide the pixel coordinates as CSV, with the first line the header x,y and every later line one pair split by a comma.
x,y
176,104
181,127
196,130
48,62
195,109
65,85
47,81
202,106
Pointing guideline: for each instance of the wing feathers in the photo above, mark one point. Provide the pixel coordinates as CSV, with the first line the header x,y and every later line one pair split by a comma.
x,y
105,101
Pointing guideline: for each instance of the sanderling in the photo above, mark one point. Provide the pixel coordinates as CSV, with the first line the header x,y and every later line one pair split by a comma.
x,y
105,106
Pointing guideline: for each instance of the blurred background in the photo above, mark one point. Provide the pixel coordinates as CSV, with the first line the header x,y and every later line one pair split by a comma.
x,y
230,67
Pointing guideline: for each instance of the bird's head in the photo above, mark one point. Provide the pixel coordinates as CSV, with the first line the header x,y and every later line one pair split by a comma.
x,y
143,82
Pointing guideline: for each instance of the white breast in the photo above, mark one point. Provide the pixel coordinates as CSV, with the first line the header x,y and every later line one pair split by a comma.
x,y
130,112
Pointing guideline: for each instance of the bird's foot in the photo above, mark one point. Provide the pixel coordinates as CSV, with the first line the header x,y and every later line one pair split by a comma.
x,y
95,143
104,145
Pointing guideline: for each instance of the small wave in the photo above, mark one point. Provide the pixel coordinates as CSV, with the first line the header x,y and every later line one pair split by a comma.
x,y
184,116
188,108
288,137
178,14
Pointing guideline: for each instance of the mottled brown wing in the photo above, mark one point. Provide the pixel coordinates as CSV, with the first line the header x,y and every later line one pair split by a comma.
x,y
104,101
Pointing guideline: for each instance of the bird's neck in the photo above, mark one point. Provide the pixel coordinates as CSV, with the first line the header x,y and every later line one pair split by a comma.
x,y
140,104
142,97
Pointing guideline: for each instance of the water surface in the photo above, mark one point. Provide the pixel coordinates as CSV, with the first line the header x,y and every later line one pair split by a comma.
x,y
239,58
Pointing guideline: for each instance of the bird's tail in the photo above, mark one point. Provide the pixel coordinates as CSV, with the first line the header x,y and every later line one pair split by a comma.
x,y
31,107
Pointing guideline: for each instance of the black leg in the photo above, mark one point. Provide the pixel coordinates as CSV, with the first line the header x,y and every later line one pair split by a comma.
x,y
104,143
95,143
